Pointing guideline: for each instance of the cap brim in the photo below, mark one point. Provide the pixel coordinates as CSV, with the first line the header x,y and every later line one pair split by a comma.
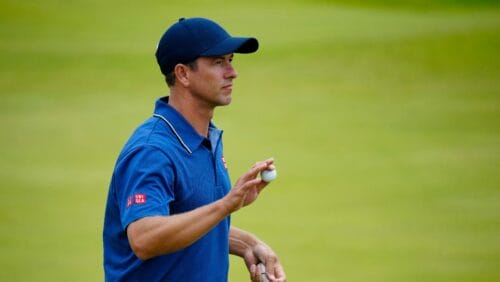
x,y
230,45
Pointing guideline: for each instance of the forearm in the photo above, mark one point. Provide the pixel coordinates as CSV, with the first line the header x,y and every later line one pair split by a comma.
x,y
254,252
158,235
241,242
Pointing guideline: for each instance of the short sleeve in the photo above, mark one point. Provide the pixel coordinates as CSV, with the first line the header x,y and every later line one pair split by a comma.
x,y
143,184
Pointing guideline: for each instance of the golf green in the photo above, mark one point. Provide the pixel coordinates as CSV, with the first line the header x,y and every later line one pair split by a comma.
x,y
383,118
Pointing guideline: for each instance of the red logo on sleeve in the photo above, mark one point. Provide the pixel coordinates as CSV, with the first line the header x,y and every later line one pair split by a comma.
x,y
137,199
140,199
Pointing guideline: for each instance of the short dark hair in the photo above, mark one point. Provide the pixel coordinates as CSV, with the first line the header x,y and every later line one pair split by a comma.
x,y
170,77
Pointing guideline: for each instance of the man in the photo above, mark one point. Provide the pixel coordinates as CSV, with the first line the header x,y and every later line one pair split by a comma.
x,y
170,199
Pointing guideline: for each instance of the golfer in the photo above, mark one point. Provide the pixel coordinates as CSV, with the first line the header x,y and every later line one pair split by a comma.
x,y
170,198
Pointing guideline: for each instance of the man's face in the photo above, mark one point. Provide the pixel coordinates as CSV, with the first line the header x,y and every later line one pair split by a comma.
x,y
211,82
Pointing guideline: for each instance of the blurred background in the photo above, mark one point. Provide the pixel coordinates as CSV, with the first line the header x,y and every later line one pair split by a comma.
x,y
383,118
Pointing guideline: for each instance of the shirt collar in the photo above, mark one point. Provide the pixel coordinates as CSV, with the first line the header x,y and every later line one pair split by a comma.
x,y
186,134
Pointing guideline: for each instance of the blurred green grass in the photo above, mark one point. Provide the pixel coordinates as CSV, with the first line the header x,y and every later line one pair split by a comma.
x,y
383,118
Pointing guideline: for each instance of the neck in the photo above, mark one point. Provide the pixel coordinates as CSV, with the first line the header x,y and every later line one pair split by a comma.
x,y
197,114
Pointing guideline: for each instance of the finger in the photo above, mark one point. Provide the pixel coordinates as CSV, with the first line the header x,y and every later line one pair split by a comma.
x,y
256,183
267,162
278,274
252,183
254,273
256,169
243,189
270,268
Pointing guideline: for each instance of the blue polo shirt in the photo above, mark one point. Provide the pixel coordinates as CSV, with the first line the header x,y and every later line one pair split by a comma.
x,y
167,168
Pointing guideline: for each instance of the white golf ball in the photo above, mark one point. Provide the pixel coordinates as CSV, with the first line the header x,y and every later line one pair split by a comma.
x,y
268,175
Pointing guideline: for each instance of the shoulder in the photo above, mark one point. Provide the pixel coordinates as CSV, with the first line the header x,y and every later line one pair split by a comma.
x,y
144,157
150,136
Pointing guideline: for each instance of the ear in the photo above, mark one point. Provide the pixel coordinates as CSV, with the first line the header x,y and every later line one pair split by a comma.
x,y
181,74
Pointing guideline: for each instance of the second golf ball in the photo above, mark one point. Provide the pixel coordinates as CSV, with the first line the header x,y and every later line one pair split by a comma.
x,y
268,175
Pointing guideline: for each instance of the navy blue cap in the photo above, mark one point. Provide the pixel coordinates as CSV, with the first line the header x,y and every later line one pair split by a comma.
x,y
191,38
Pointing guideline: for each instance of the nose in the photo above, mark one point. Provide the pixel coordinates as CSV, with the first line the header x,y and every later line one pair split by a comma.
x,y
231,72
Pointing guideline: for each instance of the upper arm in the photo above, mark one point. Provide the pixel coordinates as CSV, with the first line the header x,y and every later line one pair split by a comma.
x,y
144,184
